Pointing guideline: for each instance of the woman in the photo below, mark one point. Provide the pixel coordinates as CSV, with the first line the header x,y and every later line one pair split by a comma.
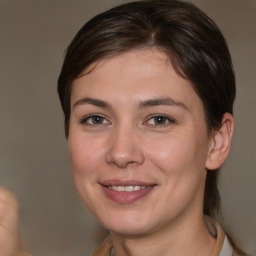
x,y
147,89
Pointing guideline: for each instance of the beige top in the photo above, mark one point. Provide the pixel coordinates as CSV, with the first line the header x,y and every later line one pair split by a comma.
x,y
222,246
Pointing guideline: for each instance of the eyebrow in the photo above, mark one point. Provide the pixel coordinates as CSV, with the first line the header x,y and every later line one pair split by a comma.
x,y
95,102
162,102
142,105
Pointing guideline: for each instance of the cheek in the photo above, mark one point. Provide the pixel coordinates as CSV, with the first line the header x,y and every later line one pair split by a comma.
x,y
85,160
85,154
178,154
167,152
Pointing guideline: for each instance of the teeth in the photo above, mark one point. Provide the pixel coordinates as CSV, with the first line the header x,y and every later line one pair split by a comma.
x,y
127,188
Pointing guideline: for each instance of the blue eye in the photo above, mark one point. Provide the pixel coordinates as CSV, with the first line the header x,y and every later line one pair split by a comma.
x,y
94,120
159,120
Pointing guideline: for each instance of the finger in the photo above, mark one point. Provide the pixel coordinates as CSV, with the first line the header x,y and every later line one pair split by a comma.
x,y
9,240
8,210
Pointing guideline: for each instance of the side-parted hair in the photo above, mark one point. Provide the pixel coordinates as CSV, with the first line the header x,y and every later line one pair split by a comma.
x,y
192,42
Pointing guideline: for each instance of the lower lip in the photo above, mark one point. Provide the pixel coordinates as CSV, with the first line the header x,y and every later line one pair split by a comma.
x,y
126,197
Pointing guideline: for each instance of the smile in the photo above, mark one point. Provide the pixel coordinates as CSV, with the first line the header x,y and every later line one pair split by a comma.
x,y
127,188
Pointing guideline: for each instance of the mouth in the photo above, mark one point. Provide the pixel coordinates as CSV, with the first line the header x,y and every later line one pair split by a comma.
x,y
127,188
126,192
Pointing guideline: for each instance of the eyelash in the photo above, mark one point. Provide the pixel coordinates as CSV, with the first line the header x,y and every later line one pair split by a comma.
x,y
89,120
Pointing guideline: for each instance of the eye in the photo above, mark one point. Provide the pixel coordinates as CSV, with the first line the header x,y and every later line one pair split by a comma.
x,y
159,120
94,120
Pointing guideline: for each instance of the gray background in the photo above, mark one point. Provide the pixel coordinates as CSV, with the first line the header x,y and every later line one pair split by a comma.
x,y
34,160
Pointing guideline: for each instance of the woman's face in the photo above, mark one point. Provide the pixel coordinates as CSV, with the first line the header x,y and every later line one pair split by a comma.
x,y
138,143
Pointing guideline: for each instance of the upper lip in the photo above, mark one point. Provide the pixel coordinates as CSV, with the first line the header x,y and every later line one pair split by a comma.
x,y
114,182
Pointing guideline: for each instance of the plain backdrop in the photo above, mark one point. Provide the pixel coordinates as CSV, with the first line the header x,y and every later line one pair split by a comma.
x,y
34,160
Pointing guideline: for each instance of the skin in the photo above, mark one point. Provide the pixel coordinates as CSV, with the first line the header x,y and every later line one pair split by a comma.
x,y
126,142
9,239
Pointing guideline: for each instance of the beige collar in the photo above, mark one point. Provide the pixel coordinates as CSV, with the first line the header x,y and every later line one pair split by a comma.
x,y
105,248
217,232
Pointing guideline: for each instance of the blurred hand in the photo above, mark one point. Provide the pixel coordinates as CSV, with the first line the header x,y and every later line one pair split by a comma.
x,y
9,237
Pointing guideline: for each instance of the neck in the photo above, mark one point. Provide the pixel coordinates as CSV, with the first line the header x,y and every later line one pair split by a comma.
x,y
185,236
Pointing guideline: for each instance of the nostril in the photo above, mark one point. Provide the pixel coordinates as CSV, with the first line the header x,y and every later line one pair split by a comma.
x,y
123,164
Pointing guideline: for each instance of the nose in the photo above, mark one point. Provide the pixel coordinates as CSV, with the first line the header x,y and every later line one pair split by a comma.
x,y
124,148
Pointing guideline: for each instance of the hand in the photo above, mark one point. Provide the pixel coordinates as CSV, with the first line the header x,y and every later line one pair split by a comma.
x,y
9,237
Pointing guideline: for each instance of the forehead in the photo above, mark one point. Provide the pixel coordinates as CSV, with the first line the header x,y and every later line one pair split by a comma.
x,y
140,73
148,53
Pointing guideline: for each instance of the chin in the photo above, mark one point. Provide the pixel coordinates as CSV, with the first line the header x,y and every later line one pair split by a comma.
x,y
128,230
126,224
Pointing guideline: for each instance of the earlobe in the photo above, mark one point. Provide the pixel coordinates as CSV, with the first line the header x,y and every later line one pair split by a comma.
x,y
220,143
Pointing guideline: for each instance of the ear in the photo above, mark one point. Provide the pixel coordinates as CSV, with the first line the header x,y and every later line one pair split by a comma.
x,y
220,143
